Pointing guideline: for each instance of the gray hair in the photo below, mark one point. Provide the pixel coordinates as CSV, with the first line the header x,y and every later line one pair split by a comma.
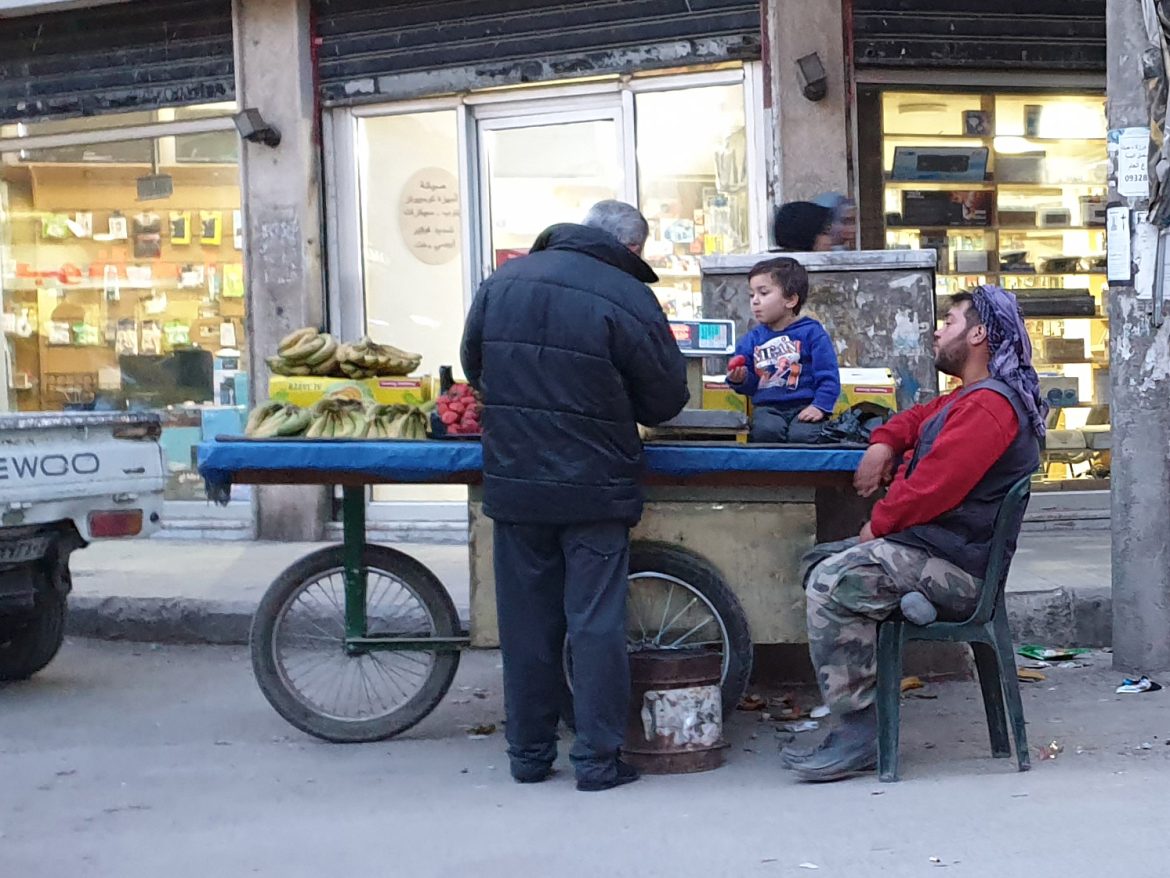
x,y
621,220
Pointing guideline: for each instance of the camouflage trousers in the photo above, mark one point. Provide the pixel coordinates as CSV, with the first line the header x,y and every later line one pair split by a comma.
x,y
851,587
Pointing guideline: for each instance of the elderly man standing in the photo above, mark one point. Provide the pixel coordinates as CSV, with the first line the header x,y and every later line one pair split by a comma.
x,y
926,545
571,351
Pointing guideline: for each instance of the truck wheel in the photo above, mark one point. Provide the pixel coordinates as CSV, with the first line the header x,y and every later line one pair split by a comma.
x,y
298,646
34,644
678,600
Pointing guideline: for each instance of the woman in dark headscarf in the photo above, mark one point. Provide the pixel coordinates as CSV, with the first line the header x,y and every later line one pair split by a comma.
x,y
802,226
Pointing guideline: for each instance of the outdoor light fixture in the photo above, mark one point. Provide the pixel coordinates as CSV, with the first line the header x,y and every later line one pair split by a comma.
x,y
813,82
254,129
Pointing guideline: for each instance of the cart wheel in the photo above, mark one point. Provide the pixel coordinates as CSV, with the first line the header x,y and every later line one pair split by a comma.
x,y
298,646
678,600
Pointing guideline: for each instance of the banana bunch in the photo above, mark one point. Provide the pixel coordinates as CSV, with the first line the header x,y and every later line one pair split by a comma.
x,y
396,422
337,419
305,352
366,359
275,419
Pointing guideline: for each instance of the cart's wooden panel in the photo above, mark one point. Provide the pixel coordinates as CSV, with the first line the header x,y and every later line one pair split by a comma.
x,y
754,537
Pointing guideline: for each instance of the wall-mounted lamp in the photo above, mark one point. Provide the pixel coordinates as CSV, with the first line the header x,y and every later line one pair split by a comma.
x,y
254,129
813,81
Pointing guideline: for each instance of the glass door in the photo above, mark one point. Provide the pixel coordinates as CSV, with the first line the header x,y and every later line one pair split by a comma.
x,y
541,169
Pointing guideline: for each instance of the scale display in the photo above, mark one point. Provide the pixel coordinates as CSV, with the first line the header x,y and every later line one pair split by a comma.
x,y
704,338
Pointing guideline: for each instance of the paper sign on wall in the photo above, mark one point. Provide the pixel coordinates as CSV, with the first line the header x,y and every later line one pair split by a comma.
x,y
1133,163
429,215
1145,255
1118,265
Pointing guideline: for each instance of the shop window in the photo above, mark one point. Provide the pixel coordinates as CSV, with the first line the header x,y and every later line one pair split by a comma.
x,y
121,278
1010,189
692,185
540,174
412,246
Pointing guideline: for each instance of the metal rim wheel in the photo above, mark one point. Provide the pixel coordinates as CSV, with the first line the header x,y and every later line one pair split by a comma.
x,y
299,656
677,600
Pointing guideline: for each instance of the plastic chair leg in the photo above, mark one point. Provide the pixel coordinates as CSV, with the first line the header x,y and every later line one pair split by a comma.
x,y
987,664
889,693
1011,686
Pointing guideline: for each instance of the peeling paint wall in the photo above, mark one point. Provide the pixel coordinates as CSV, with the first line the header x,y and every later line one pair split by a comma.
x,y
878,315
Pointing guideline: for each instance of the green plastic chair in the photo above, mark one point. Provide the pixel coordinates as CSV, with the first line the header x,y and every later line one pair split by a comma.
x,y
991,642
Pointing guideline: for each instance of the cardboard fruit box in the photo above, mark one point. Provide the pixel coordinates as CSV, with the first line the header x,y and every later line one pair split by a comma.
x,y
387,391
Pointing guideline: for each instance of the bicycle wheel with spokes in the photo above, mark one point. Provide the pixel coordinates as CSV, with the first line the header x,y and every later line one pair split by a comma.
x,y
304,670
679,601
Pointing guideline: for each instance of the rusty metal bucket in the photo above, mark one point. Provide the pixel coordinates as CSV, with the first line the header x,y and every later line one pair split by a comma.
x,y
676,712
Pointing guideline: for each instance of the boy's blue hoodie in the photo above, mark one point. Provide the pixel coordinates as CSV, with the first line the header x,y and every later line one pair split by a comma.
x,y
795,366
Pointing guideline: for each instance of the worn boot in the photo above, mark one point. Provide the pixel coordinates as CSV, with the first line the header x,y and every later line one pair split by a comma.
x,y
792,755
849,749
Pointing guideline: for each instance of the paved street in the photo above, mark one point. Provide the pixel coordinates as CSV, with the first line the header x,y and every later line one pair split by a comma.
x,y
132,761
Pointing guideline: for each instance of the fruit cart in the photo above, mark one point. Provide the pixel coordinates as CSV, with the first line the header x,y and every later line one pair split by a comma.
x,y
358,642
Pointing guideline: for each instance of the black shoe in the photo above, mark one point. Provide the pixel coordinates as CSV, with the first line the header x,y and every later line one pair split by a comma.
x,y
626,773
534,775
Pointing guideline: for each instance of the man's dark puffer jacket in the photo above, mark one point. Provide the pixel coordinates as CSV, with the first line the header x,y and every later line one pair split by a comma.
x,y
572,352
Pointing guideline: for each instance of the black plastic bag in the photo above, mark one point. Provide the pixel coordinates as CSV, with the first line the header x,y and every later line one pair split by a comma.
x,y
854,426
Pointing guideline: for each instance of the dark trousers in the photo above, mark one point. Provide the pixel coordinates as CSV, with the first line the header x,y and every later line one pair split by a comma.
x,y
773,423
552,580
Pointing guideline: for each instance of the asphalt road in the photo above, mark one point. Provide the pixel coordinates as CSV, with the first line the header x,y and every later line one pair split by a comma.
x,y
129,761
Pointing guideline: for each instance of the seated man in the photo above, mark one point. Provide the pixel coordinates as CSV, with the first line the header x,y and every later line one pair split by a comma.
x,y
929,537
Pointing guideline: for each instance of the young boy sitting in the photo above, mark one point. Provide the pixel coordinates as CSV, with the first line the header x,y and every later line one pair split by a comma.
x,y
787,364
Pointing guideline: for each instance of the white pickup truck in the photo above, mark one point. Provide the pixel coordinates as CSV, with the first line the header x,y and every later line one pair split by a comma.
x,y
65,480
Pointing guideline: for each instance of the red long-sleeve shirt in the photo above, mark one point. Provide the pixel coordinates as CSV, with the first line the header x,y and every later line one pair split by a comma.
x,y
978,429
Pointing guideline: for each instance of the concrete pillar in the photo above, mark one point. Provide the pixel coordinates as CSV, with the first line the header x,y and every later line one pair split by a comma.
x,y
282,216
1139,353
811,140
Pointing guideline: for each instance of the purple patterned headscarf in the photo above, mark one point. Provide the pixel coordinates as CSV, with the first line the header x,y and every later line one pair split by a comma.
x,y
1011,350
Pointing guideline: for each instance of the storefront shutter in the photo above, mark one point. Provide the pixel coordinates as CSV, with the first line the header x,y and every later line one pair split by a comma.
x,y
405,48
116,58
989,34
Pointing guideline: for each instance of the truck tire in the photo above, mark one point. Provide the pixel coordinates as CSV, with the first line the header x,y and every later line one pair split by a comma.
x,y
426,678
34,644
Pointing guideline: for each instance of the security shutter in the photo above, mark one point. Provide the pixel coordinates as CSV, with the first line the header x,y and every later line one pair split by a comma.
x,y
408,48
121,57
990,34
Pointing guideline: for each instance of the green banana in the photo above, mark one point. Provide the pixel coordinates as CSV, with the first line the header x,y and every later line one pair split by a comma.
x,y
259,415
297,422
294,338
305,349
328,349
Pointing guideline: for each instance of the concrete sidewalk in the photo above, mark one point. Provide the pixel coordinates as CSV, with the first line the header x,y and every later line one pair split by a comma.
x,y
183,591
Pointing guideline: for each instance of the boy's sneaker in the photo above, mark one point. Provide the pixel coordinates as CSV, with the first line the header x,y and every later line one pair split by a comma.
x,y
626,773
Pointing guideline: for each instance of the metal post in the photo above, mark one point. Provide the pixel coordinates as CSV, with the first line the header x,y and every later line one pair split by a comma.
x,y
353,523
1139,353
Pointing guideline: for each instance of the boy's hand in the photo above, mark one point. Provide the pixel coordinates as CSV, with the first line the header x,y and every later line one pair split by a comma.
x,y
811,415
876,469
737,369
866,534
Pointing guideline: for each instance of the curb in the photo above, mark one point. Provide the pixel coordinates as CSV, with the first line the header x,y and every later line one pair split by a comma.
x,y
1057,617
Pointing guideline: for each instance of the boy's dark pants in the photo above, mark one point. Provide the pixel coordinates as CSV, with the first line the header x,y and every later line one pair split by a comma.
x,y
773,423
553,579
